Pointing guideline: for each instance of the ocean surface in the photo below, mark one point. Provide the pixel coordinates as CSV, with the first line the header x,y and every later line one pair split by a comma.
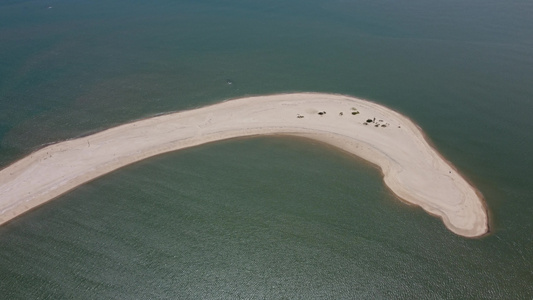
x,y
268,217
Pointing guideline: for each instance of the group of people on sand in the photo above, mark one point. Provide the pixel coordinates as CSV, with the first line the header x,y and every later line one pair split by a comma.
x,y
355,112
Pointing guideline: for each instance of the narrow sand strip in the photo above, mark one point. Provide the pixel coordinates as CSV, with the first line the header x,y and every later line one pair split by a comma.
x,y
412,169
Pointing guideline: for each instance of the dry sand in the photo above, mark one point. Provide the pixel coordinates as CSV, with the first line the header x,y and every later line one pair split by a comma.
x,y
412,169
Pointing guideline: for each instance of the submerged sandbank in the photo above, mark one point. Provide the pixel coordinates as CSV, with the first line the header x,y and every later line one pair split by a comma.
x,y
412,169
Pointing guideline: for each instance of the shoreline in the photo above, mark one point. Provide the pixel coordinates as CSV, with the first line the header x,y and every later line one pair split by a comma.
x,y
412,169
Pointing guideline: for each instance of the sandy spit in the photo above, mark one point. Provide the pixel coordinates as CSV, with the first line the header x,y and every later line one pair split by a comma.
x,y
411,168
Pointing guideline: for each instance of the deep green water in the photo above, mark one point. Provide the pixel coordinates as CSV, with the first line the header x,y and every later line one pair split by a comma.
x,y
268,217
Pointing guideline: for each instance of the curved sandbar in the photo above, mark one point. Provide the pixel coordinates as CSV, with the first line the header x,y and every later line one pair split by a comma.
x,y
412,169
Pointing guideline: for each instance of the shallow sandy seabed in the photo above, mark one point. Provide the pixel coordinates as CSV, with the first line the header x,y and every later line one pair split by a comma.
x,y
412,169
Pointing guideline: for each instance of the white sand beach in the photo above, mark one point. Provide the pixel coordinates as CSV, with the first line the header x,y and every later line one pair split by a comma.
x,y
412,169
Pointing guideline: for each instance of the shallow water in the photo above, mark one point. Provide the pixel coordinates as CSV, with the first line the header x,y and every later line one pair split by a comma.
x,y
267,217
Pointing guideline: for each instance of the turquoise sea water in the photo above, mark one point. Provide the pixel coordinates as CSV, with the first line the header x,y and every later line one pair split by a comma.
x,y
267,217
